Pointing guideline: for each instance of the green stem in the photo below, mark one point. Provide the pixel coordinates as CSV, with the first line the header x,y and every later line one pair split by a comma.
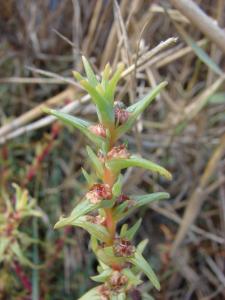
x,y
35,272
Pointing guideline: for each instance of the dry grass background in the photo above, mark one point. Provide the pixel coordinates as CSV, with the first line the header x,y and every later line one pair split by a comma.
x,y
184,130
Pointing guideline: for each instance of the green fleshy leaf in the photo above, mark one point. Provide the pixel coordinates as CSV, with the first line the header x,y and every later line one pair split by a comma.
x,y
93,244
93,294
123,210
118,164
100,90
132,231
78,123
120,296
141,246
120,210
149,198
15,248
105,75
26,240
104,108
103,276
4,243
81,209
147,297
98,231
33,213
95,161
137,108
89,178
133,278
78,76
111,86
117,187
107,203
139,261
123,230
106,255
89,72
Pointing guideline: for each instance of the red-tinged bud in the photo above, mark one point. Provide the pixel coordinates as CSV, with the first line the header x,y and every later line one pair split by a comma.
x,y
122,198
98,129
104,292
99,192
121,115
117,281
118,152
123,247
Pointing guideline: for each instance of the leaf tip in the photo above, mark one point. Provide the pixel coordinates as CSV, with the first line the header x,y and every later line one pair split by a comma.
x,y
46,110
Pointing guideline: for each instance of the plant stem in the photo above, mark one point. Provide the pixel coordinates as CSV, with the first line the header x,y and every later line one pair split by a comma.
x,y
35,273
111,225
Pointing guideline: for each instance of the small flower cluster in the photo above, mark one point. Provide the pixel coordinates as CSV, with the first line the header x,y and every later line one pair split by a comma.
x,y
123,247
98,192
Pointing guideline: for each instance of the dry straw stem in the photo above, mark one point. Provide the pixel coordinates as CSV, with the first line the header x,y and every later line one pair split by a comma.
x,y
173,13
202,21
108,51
42,122
197,198
198,103
166,212
69,93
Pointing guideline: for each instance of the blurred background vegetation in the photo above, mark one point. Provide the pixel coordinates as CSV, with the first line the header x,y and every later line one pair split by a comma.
x,y
183,130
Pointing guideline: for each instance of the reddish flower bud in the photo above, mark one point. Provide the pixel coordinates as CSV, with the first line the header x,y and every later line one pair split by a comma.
x,y
99,192
118,152
104,292
117,281
98,129
122,198
121,115
123,247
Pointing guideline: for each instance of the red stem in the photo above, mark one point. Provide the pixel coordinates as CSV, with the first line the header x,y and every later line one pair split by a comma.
x,y
22,276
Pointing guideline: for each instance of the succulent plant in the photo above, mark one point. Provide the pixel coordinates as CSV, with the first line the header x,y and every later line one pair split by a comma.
x,y
104,206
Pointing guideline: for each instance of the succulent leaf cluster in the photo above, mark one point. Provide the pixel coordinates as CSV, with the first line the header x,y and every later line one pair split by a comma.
x,y
104,206
13,241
